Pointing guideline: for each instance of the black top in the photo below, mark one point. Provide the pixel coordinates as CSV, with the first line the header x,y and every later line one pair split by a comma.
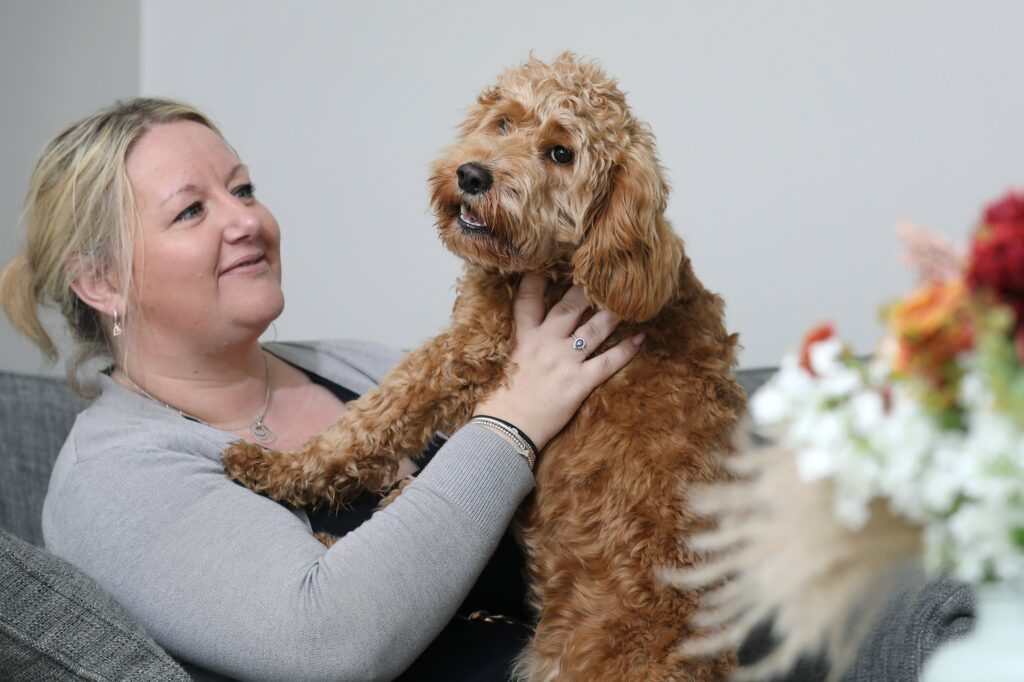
x,y
340,522
470,647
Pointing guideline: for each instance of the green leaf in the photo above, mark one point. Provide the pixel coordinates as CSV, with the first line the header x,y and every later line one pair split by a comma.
x,y
1018,536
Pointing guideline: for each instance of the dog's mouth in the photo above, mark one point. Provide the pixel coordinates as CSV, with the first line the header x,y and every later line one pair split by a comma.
x,y
469,220
469,234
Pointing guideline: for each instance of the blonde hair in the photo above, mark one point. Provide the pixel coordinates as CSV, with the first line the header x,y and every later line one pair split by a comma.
x,y
80,218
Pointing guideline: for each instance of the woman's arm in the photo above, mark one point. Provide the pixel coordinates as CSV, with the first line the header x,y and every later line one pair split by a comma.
x,y
235,582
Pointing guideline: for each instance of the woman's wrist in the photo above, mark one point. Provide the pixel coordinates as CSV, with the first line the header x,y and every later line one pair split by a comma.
x,y
512,434
538,424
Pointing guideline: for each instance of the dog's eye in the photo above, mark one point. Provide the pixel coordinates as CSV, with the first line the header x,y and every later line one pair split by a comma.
x,y
560,155
504,126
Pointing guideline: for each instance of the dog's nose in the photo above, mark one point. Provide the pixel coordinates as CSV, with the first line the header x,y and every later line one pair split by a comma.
x,y
474,178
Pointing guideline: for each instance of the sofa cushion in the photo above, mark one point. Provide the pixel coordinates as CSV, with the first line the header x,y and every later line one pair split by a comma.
x,y
56,623
752,379
36,414
922,614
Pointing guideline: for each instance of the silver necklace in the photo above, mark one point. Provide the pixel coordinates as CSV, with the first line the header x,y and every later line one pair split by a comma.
x,y
260,431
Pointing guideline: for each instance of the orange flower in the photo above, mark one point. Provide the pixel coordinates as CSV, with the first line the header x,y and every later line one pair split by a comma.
x,y
932,326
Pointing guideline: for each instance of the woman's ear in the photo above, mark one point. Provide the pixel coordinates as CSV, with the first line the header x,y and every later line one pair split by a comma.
x,y
629,259
94,286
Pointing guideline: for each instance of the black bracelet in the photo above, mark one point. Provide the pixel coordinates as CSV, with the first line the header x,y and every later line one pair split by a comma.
x,y
516,429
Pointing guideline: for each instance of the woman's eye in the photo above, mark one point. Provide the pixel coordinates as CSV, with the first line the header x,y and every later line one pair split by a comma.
x,y
504,126
245,191
561,155
189,213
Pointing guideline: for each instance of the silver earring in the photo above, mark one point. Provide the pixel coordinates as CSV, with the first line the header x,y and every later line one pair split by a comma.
x,y
117,329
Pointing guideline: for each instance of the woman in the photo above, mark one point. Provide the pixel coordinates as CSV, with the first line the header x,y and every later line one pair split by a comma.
x,y
143,228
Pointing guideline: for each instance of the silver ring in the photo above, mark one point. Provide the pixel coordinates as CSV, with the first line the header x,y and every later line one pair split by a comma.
x,y
579,344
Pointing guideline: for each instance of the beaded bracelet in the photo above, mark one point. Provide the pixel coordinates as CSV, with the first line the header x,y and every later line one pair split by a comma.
x,y
524,446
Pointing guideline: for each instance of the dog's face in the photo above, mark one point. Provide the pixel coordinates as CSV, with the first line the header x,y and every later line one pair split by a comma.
x,y
551,169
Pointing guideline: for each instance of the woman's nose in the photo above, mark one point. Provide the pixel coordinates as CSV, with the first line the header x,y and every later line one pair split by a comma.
x,y
242,220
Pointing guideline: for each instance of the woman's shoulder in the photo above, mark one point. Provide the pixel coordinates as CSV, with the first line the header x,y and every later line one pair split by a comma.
x,y
112,437
121,430
113,459
122,420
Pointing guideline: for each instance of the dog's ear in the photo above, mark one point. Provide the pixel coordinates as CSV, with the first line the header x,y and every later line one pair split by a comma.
x,y
484,102
628,261
489,96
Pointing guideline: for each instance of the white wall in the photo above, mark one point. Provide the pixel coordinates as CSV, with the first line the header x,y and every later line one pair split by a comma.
x,y
59,60
796,135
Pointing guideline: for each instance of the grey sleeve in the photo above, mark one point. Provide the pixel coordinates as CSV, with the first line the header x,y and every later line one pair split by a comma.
x,y
236,583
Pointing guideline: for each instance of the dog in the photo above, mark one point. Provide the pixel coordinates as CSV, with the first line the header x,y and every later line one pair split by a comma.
x,y
552,173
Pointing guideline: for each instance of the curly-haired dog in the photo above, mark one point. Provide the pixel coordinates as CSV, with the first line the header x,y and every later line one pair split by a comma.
x,y
552,173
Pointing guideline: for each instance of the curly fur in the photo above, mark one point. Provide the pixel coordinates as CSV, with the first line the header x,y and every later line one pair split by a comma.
x,y
608,513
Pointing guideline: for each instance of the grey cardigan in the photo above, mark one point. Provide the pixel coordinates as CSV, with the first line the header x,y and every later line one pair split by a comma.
x,y
235,582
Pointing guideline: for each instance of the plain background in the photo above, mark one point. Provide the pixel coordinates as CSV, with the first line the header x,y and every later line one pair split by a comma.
x,y
796,134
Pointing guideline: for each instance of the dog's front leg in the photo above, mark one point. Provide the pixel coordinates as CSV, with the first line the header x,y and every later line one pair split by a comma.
x,y
432,388
362,449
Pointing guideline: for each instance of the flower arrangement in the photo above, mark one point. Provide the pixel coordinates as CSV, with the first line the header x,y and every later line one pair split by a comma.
x,y
915,452
934,422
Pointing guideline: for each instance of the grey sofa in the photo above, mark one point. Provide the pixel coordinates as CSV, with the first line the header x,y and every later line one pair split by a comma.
x,y
57,624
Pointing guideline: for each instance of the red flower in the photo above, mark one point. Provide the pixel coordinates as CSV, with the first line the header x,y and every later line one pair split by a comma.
x,y
997,253
1009,209
822,332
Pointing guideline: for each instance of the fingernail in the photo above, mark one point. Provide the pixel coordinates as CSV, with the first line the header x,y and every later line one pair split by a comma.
x,y
639,338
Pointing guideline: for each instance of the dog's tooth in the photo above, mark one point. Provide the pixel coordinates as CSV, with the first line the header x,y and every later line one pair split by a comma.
x,y
469,217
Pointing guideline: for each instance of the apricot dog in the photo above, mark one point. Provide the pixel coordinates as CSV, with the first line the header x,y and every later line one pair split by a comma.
x,y
552,173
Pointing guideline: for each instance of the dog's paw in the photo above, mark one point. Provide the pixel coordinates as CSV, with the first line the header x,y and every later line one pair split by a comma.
x,y
395,491
249,464
287,477
326,539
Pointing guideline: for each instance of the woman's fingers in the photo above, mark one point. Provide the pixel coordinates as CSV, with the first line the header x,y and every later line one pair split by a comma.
x,y
598,328
549,379
528,305
599,369
564,315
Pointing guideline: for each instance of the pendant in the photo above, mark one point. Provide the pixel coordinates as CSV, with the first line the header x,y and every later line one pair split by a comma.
x,y
262,432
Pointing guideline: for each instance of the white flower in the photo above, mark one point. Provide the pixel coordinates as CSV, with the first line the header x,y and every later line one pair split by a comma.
x,y
771,405
825,356
942,482
815,464
784,395
964,486
855,489
867,412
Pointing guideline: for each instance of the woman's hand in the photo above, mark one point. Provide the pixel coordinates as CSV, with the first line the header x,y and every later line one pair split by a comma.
x,y
549,378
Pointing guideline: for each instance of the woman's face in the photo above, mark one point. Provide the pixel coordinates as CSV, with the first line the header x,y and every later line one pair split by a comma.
x,y
207,266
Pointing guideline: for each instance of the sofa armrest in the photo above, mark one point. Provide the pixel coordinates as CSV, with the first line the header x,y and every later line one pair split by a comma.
x,y
57,623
